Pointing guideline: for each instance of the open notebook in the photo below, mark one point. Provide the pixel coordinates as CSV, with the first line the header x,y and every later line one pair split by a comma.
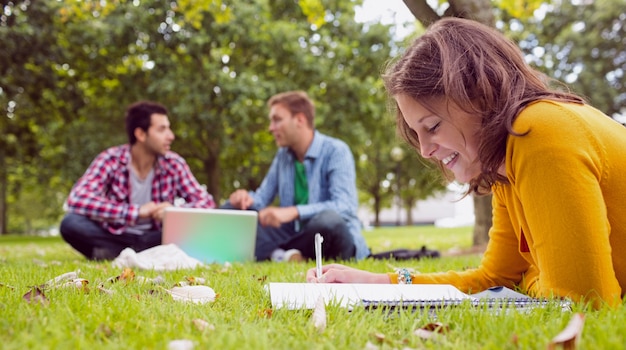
x,y
412,296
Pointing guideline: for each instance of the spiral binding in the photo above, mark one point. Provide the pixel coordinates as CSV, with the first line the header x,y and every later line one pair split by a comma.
x,y
499,303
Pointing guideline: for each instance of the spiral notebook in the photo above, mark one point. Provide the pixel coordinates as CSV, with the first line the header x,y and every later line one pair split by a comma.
x,y
394,296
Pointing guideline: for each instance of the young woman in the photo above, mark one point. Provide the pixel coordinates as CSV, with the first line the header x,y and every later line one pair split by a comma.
x,y
466,100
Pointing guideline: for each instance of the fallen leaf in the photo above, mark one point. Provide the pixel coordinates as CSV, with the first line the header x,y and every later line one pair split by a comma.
x,y
127,275
261,279
64,277
7,286
180,344
431,330
319,315
78,283
195,280
568,338
379,337
370,346
40,263
105,291
36,295
104,330
266,313
194,294
156,280
203,325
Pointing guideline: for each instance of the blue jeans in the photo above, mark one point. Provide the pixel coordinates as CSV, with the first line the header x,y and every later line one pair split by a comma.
x,y
338,242
94,242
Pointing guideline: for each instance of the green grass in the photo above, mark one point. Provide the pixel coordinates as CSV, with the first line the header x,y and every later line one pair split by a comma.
x,y
142,316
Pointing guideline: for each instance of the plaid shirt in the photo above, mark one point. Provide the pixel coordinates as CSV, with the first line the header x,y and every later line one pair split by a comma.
x,y
103,192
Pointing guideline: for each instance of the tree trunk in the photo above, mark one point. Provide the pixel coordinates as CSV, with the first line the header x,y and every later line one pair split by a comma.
x,y
3,194
377,200
482,214
480,11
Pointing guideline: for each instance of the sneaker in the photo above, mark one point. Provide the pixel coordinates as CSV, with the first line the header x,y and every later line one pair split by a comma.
x,y
102,254
293,255
278,255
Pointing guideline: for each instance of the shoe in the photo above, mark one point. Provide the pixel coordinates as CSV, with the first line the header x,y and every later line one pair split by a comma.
x,y
103,254
293,255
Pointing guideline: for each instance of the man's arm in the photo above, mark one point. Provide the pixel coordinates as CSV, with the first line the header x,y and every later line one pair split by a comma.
x,y
89,197
188,188
265,194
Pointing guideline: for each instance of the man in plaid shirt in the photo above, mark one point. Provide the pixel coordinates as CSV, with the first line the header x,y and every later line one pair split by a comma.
x,y
120,200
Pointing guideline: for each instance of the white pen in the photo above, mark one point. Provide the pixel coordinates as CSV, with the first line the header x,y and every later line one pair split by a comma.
x,y
318,253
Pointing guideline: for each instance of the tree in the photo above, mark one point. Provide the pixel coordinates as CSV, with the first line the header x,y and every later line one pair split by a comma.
x,y
580,44
213,64
481,11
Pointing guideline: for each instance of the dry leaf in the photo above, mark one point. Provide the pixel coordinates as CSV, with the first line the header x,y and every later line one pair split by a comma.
x,y
35,295
203,325
261,279
370,346
104,290
104,330
180,344
195,280
194,294
266,313
64,277
7,286
319,315
156,280
127,275
431,330
78,283
568,338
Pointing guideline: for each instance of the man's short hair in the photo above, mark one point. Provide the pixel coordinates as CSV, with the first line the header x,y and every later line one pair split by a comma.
x,y
295,102
138,115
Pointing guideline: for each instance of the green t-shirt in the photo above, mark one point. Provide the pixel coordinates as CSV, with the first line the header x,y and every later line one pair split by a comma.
x,y
301,185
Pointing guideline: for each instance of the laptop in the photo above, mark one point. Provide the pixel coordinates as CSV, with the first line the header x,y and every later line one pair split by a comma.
x,y
212,235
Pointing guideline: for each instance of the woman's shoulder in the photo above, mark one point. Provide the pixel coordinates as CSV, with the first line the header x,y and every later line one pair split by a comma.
x,y
565,115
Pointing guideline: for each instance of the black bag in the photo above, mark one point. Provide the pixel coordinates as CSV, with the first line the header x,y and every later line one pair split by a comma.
x,y
406,254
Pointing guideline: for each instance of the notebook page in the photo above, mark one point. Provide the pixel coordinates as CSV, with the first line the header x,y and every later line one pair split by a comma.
x,y
304,295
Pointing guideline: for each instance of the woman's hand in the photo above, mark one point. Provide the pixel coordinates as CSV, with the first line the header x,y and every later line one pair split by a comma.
x,y
337,273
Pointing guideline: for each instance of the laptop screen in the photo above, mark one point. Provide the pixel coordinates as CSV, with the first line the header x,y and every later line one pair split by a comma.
x,y
212,235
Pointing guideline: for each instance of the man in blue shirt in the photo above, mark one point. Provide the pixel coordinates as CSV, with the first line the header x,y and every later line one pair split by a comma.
x,y
315,180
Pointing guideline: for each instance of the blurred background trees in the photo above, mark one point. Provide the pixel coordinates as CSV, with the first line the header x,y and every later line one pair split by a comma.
x,y
69,69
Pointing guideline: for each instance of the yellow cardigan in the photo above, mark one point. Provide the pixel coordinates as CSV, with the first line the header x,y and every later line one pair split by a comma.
x,y
559,227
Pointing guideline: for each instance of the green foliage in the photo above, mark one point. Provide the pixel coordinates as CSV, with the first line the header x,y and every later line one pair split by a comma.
x,y
520,9
581,45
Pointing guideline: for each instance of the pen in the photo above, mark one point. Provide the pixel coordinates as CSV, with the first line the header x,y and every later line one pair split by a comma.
x,y
318,253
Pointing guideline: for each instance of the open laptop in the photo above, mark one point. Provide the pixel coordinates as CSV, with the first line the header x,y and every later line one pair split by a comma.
x,y
212,235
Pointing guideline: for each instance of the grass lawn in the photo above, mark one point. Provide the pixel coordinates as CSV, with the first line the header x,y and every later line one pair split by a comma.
x,y
142,315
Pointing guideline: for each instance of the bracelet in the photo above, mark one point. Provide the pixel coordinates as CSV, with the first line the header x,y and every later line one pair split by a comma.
x,y
404,277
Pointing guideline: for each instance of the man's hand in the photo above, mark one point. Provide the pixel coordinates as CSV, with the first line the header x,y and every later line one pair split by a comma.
x,y
146,210
159,211
241,199
274,216
153,210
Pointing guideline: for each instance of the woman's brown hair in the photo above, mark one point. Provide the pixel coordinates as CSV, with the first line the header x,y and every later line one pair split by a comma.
x,y
481,71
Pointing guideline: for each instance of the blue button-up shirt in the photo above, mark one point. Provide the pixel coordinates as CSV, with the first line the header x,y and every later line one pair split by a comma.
x,y
331,178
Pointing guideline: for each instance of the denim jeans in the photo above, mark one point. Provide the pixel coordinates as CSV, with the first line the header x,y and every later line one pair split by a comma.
x,y
338,242
94,242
